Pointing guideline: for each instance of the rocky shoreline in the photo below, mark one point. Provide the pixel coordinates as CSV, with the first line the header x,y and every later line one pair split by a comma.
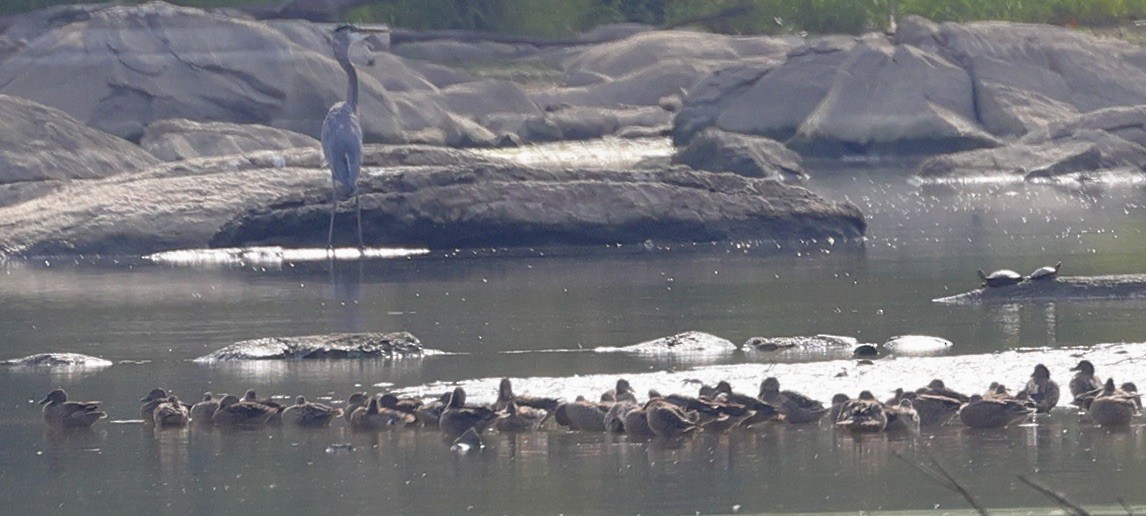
x,y
126,131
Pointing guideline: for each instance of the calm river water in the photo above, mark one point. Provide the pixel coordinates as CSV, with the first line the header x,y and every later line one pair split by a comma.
x,y
538,315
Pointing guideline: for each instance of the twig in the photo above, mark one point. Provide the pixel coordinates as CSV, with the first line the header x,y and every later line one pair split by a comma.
x,y
943,478
1056,496
1129,511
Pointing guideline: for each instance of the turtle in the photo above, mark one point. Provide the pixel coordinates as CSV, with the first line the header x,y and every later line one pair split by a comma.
x,y
1000,278
1045,273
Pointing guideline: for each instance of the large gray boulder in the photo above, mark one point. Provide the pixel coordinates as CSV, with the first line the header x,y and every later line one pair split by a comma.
x,y
179,139
39,143
1087,151
118,68
426,197
891,99
1056,70
752,156
625,56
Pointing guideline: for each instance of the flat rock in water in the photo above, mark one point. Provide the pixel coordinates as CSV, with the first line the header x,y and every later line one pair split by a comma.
x,y
179,139
56,360
687,342
335,345
799,342
916,344
1069,288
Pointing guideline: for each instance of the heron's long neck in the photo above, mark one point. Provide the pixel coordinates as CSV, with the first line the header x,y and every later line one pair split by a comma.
x,y
351,84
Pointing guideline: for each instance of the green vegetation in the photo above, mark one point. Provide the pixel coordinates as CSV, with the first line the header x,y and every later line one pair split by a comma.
x,y
558,18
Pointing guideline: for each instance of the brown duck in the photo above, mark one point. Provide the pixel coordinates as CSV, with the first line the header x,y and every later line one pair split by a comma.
x,y
61,413
308,414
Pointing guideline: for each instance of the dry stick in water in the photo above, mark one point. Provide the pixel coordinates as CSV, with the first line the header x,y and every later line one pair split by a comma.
x,y
943,478
1056,496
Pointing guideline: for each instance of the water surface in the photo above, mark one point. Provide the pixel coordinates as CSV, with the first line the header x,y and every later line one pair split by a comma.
x,y
537,315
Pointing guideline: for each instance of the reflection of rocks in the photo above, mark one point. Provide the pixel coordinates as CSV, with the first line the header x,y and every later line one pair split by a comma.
x,y
687,342
57,360
337,345
1065,288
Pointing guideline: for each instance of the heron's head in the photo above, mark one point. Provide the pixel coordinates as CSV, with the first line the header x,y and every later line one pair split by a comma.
x,y
346,35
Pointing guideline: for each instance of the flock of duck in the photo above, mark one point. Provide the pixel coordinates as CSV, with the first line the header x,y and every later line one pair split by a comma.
x,y
715,408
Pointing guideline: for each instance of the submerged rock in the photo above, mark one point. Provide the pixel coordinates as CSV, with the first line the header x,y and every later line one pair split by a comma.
x,y
335,345
687,342
800,342
1063,288
56,360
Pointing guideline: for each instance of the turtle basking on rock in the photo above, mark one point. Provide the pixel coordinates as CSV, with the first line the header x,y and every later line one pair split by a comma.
x,y
1000,278
1045,273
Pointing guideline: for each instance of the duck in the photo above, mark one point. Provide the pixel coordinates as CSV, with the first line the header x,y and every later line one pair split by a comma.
x,y
992,412
505,395
1113,407
864,414
235,413
902,417
581,414
636,422
276,417
1041,390
520,419
468,442
1084,380
150,402
61,413
393,402
668,421
171,413
1131,390
621,392
373,417
838,401
937,388
615,416
307,414
934,410
456,417
429,414
358,399
795,407
761,412
203,411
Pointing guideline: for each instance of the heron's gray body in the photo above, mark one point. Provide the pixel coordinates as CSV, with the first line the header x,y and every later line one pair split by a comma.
x,y
342,134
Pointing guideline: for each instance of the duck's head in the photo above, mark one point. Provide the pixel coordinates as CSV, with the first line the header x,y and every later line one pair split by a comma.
x,y
770,384
207,396
623,386
839,398
1041,372
457,398
1108,388
155,394
301,400
228,400
936,384
867,396
1084,367
56,396
250,395
723,387
388,400
505,389
1129,387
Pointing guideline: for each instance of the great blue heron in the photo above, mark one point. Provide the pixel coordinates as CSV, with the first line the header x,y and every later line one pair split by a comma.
x,y
341,132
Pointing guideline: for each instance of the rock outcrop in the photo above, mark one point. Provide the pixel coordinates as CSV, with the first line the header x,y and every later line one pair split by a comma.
x,y
425,197
689,342
179,139
1064,288
752,156
39,143
331,346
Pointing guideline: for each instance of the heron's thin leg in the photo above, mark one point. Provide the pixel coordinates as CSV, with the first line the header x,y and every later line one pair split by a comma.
x,y
358,206
333,207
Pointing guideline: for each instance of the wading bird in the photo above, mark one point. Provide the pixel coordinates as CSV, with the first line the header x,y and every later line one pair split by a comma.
x,y
342,134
